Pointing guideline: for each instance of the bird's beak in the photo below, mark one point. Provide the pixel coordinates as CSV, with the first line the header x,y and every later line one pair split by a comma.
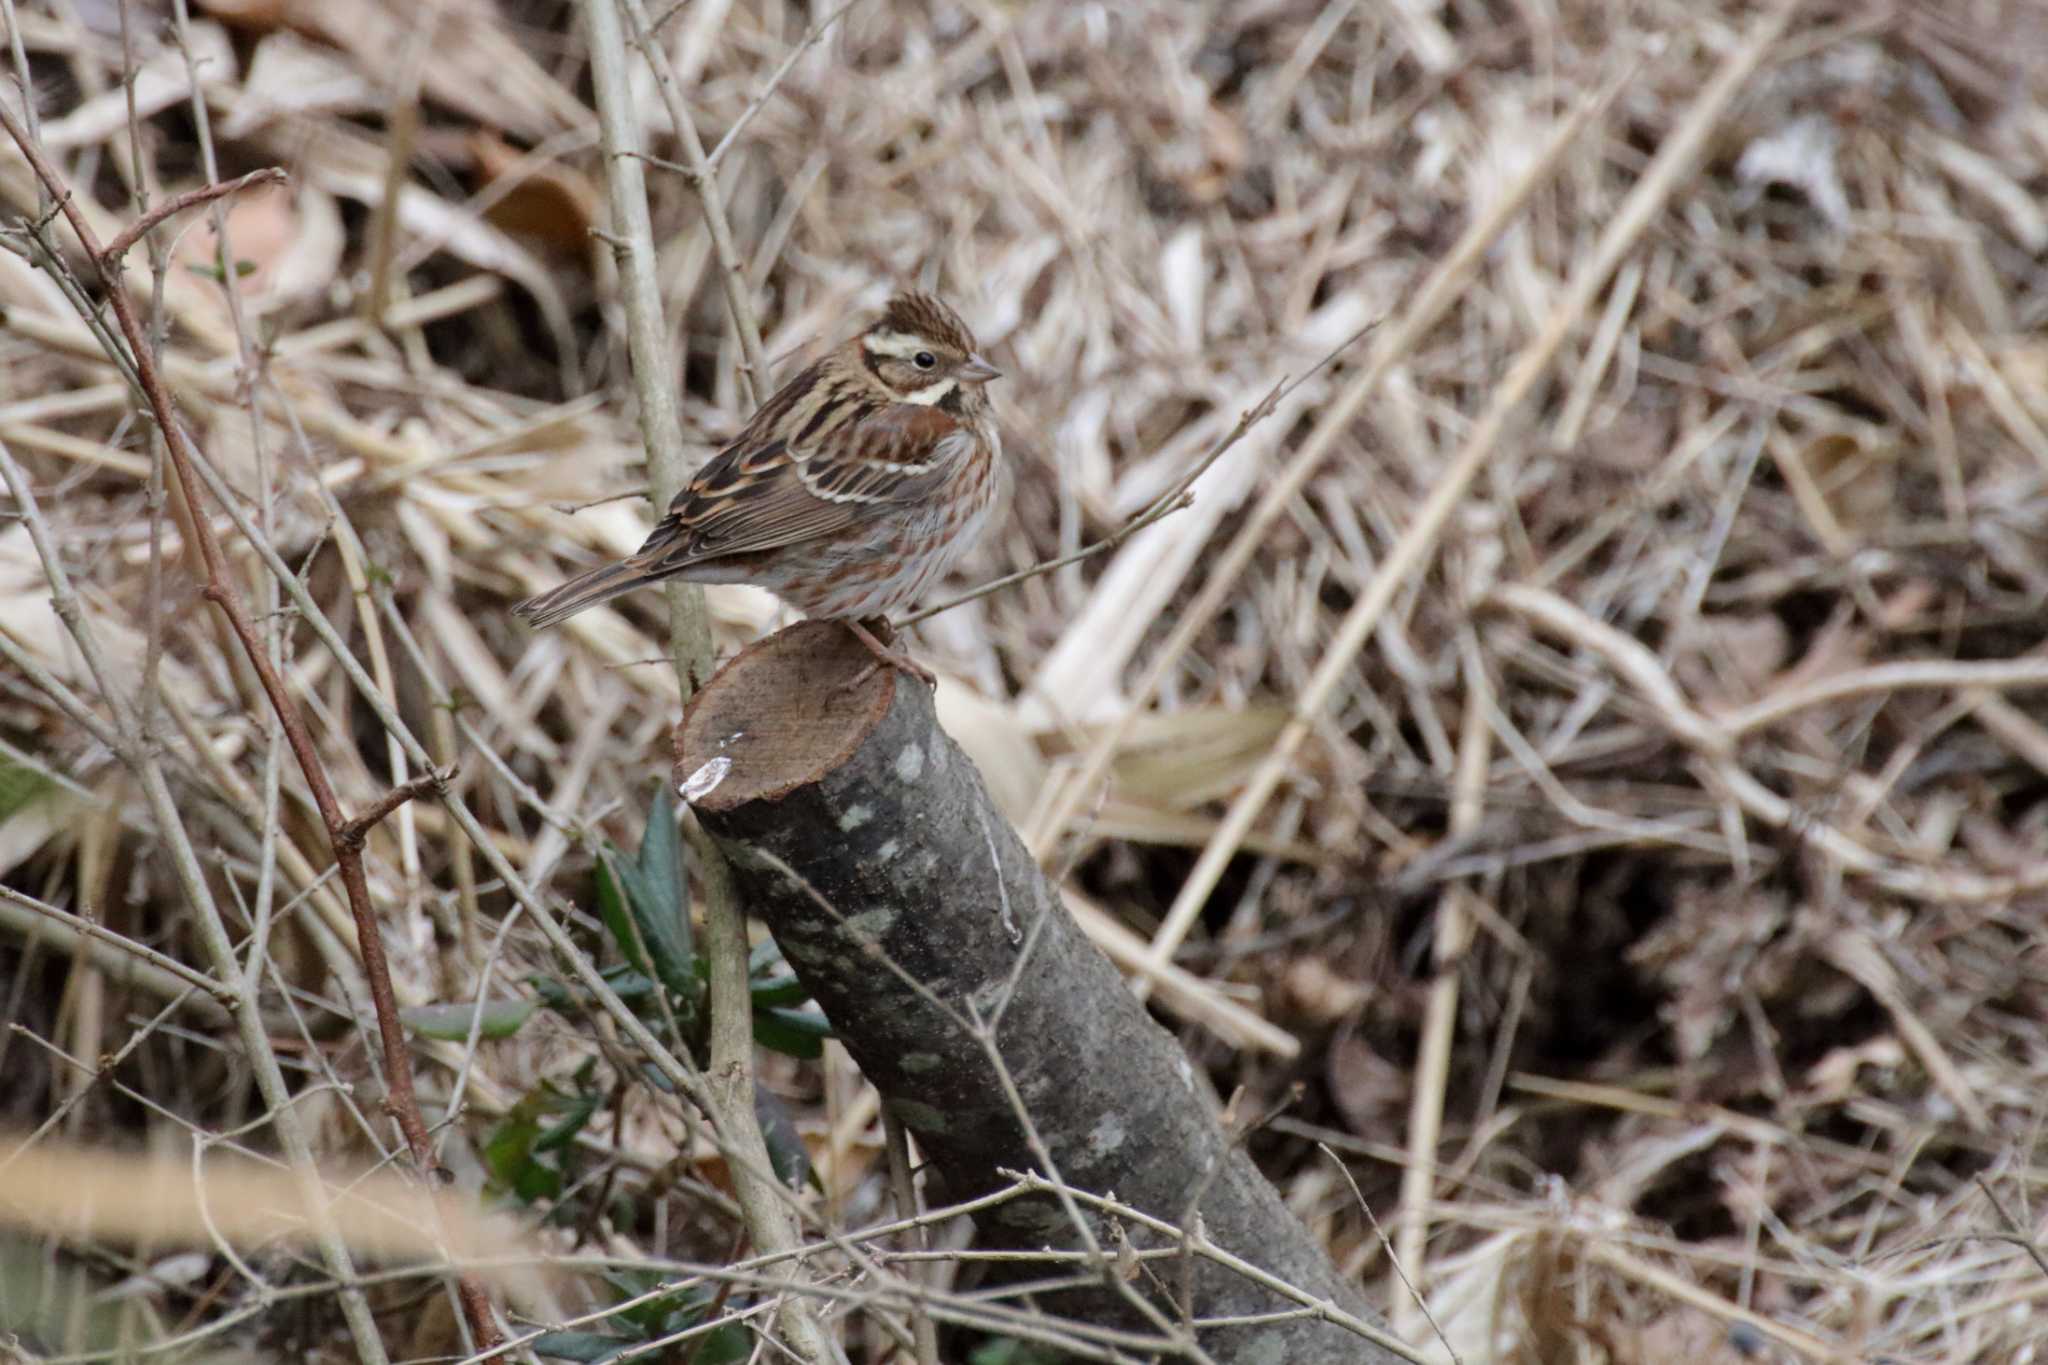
x,y
977,371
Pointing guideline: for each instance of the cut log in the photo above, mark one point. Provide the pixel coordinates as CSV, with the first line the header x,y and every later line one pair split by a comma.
x,y
907,905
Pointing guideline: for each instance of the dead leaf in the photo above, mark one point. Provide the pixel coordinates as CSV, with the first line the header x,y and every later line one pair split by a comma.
x,y
544,202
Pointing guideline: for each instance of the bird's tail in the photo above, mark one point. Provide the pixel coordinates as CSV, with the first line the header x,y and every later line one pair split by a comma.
x,y
601,584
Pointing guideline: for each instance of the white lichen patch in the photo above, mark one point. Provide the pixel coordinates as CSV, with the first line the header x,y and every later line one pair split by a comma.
x,y
704,781
1106,1136
888,850
1266,1352
854,816
910,763
870,925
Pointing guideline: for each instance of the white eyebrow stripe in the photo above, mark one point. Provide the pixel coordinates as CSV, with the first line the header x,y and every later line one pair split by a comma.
x,y
931,393
901,345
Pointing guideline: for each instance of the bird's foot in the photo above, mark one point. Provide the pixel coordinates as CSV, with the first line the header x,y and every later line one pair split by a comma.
x,y
878,643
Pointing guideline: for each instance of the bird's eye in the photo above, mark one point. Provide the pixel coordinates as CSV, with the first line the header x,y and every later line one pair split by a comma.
x,y
924,360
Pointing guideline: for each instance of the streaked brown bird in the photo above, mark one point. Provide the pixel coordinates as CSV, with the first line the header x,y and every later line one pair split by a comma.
x,y
852,490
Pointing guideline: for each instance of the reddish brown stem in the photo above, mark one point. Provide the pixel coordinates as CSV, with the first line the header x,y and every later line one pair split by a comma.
x,y
110,256
427,784
220,590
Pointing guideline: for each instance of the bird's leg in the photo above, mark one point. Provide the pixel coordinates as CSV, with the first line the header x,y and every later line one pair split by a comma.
x,y
877,634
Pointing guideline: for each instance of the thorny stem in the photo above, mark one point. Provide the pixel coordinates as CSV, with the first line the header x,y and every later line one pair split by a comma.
x,y
427,784
110,255
219,590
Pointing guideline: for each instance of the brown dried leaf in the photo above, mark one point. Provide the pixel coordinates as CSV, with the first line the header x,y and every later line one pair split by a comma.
x,y
541,201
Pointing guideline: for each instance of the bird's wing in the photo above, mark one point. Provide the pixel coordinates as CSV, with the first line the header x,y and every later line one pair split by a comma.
x,y
762,494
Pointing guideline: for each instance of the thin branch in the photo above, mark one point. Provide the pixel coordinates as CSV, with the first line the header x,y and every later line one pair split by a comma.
x,y
432,783
219,589
760,101
162,974
727,1092
1393,1258
896,1142
109,257
2014,1226
1179,496
1203,1247
731,271
141,759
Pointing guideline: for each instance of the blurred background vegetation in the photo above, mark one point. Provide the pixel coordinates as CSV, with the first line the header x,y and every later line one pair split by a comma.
x,y
1650,924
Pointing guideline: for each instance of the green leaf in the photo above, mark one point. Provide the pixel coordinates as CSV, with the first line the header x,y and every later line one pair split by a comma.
x,y
576,1113
450,1023
537,1181
794,1033
509,1155
777,990
586,1346
641,902
669,1312
19,786
612,909
510,1146
726,1344
787,1154
662,911
630,986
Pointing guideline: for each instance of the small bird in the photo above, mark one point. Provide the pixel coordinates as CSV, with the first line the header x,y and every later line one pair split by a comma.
x,y
852,490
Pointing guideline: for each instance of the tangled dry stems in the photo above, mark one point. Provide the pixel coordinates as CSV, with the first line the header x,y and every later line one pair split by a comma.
x,y
1679,833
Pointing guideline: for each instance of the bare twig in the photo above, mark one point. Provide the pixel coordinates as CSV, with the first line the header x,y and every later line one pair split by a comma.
x,y
164,975
2018,1230
219,589
1180,495
109,256
432,783
728,1092
767,92
1393,1258
896,1144
1203,1247
731,269
124,740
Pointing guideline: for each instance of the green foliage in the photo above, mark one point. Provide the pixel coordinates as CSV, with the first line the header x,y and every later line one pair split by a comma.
x,y
650,922
1010,1351
529,1153
450,1023
642,904
652,1319
512,1152
19,786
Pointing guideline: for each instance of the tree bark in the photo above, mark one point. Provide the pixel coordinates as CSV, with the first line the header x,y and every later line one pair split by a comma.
x,y
914,915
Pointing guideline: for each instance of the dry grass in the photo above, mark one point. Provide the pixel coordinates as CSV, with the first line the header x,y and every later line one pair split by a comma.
x,y
1674,850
